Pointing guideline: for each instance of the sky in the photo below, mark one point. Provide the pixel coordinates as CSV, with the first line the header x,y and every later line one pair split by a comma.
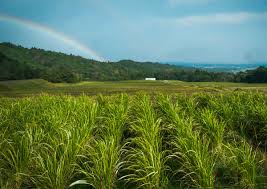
x,y
199,31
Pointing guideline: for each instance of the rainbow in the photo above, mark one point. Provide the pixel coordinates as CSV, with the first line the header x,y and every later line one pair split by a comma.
x,y
53,33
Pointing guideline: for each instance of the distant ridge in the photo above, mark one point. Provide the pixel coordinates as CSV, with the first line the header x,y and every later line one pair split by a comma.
x,y
46,64
17,62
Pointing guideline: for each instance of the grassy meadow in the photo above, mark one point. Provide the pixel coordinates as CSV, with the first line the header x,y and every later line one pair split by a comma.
x,y
132,141
22,88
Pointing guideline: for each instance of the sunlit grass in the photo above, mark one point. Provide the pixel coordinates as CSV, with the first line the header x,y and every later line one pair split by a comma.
x,y
140,141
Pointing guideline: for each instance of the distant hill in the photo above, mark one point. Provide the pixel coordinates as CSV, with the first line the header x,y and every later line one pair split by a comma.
x,y
17,62
50,65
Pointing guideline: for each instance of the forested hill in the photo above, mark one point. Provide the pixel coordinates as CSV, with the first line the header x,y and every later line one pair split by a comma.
x,y
17,62
54,66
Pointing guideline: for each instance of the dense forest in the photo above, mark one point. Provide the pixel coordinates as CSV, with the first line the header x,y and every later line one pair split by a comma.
x,y
17,62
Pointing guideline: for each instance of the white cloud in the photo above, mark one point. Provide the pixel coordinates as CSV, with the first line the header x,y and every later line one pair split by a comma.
x,y
221,18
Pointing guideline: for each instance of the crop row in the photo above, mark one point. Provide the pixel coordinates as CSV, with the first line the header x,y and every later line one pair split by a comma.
x,y
105,142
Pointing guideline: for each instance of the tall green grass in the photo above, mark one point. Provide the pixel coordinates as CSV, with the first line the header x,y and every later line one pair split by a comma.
x,y
101,161
140,141
145,158
191,150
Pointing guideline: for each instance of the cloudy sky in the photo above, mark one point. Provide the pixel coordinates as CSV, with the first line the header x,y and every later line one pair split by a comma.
x,y
206,31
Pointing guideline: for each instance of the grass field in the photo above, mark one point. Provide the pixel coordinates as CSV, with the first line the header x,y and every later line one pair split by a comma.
x,y
22,88
106,135
134,141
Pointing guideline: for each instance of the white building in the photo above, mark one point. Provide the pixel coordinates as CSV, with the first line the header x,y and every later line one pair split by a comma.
x,y
150,79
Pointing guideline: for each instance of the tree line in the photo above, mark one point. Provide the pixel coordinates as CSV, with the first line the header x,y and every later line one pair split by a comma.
x,y
17,62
